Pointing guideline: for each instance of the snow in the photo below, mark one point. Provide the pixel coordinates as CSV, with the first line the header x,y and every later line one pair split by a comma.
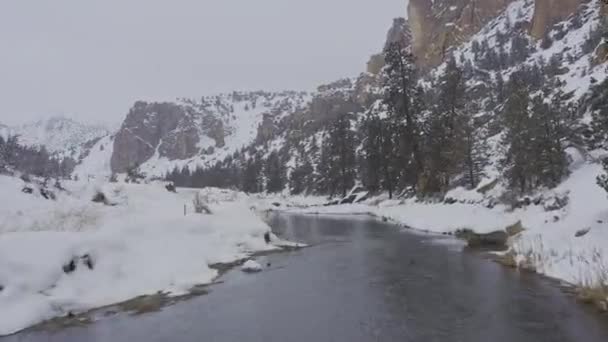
x,y
97,162
143,245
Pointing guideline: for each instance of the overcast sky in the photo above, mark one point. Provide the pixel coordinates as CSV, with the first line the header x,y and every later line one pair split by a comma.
x,y
91,59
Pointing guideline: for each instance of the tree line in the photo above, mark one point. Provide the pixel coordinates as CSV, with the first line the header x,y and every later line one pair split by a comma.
x,y
32,161
421,140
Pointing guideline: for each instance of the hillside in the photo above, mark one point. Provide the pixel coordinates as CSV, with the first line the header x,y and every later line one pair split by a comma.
x,y
59,135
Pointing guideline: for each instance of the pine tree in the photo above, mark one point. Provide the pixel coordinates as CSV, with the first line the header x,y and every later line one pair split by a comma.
x,y
300,177
475,155
404,103
550,160
275,173
251,176
341,145
518,136
446,132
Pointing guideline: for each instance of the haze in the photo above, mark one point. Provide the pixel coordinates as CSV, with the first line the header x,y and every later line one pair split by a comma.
x,y
91,60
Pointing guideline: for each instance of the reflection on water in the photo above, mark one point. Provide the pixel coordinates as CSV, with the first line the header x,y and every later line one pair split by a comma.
x,y
361,280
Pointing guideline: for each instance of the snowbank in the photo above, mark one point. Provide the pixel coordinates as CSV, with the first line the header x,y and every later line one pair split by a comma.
x,y
52,263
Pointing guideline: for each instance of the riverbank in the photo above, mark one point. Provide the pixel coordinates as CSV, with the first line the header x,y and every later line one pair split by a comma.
x,y
360,280
562,233
92,245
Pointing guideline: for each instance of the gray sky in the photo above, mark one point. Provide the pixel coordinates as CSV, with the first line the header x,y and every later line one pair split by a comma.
x,y
91,59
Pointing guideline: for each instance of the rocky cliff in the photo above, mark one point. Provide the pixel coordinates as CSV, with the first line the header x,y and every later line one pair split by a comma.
x,y
438,26
549,12
197,131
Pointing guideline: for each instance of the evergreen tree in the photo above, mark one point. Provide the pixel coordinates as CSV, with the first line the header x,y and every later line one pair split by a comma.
x,y
446,132
251,176
518,136
300,177
550,161
341,144
275,173
404,103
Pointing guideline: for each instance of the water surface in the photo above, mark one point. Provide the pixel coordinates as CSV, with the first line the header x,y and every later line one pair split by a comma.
x,y
362,280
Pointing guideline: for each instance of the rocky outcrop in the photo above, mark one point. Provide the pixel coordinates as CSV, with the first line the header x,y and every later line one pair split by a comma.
x,y
437,26
191,128
214,128
267,129
549,12
399,32
141,132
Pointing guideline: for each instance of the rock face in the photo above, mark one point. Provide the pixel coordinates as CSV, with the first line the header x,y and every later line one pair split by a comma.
x,y
399,32
549,12
203,128
438,25
142,131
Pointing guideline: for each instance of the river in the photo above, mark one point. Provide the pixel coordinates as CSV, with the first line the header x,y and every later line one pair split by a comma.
x,y
361,280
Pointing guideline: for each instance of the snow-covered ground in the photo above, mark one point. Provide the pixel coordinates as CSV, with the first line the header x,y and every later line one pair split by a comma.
x,y
549,243
142,245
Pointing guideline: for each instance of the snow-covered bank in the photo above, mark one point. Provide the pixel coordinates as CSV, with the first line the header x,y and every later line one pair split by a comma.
x,y
567,242
72,255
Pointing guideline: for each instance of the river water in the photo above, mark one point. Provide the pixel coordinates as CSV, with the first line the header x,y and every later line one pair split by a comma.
x,y
362,280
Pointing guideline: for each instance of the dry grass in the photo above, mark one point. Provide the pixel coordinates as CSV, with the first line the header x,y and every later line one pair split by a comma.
x,y
593,289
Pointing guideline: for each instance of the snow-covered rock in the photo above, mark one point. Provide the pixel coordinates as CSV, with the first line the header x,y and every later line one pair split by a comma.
x,y
251,266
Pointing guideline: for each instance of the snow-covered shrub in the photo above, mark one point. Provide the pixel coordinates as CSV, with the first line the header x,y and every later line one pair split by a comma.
x,y
200,203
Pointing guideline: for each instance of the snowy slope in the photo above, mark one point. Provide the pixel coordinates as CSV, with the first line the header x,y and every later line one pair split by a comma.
x,y
96,163
59,135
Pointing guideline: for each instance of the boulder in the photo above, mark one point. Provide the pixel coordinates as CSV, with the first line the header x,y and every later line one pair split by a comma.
x,y
494,240
47,194
515,229
171,188
582,232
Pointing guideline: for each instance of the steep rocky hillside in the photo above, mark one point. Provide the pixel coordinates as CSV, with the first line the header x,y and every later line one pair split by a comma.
x,y
438,26
156,137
